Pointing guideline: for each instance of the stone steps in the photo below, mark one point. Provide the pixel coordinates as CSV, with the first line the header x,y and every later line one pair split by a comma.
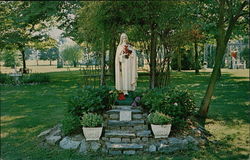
x,y
121,107
138,127
118,111
124,146
125,107
126,137
125,123
115,133
127,134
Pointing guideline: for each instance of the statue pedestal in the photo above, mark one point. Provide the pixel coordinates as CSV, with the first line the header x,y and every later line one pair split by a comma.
x,y
125,115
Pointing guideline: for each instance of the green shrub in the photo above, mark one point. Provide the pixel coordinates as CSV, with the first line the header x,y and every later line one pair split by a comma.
x,y
158,118
30,78
152,99
10,58
89,99
91,120
178,104
6,79
136,93
35,78
71,124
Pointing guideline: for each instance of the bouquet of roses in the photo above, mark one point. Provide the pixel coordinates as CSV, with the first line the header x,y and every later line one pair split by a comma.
x,y
127,51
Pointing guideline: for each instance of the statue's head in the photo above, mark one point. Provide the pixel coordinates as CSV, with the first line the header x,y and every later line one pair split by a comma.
x,y
123,38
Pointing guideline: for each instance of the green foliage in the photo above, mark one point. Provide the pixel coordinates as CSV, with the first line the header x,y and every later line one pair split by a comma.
x,y
6,79
71,124
89,99
35,78
91,120
178,104
26,78
187,61
158,118
10,58
50,54
72,54
136,93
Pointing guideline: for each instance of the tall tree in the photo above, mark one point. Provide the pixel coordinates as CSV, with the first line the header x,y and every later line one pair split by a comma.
x,y
50,54
72,54
227,15
26,22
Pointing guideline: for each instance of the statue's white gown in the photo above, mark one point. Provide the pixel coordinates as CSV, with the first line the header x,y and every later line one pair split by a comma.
x,y
125,70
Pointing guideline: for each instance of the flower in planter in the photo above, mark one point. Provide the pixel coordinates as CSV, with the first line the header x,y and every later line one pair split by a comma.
x,y
160,124
92,126
158,118
91,120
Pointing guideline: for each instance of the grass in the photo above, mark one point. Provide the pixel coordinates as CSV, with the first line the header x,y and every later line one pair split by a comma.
x,y
30,109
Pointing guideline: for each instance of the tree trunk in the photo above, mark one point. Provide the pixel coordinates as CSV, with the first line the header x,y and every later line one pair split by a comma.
x,y
220,51
210,89
153,59
24,62
112,52
168,71
50,62
219,74
103,64
222,39
196,57
179,59
37,63
74,63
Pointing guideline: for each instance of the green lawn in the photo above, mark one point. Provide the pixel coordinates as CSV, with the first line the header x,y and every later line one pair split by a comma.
x,y
28,110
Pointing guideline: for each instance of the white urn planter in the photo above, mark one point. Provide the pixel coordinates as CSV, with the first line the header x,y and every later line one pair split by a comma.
x,y
161,131
92,133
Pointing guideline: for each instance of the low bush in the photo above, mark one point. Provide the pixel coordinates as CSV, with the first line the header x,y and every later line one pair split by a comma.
x,y
158,118
89,99
35,78
29,78
91,120
6,79
71,124
179,104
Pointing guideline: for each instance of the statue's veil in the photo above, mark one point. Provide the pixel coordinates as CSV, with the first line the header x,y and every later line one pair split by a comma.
x,y
123,34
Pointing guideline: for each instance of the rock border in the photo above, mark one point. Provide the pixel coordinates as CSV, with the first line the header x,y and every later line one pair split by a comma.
x,y
55,137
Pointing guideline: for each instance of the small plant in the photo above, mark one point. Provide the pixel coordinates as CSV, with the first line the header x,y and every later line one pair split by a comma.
x,y
158,118
91,120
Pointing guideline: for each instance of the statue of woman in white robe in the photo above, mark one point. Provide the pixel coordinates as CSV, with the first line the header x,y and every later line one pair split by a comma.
x,y
125,66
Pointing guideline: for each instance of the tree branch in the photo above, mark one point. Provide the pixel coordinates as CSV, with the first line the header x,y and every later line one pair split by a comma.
x,y
233,21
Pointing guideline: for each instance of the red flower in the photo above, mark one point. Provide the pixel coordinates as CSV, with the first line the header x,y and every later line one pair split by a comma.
x,y
127,51
121,96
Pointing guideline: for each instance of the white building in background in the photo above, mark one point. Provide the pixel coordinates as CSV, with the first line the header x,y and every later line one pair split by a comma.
x,y
232,59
